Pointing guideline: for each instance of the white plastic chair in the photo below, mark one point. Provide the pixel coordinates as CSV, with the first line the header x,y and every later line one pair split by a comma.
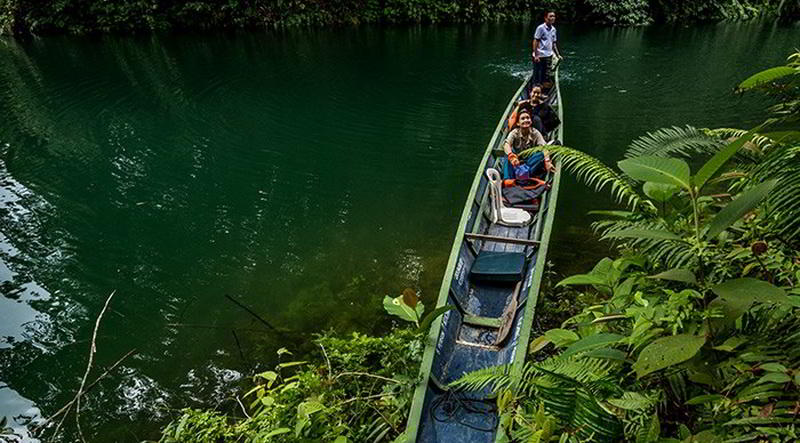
x,y
498,212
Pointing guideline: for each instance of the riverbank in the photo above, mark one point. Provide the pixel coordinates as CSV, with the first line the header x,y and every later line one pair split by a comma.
x,y
25,17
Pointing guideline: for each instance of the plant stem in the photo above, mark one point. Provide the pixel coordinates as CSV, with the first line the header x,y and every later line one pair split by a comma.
x,y
696,217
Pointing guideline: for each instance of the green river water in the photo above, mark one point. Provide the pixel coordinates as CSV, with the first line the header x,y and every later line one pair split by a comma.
x,y
306,173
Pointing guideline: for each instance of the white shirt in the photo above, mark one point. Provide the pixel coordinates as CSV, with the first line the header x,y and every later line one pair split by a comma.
x,y
546,35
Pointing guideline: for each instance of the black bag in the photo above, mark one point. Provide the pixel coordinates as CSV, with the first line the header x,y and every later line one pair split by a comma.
x,y
515,195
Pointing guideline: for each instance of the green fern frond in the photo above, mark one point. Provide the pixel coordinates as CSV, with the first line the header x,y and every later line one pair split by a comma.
x,y
666,142
493,377
756,146
783,164
671,254
594,173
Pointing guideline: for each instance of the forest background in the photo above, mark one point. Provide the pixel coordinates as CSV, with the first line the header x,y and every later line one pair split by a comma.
x,y
124,16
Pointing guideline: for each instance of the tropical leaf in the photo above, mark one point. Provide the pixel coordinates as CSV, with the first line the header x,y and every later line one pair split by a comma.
x,y
650,432
766,76
659,191
634,401
592,342
713,165
595,174
428,319
671,171
561,337
666,352
583,279
749,290
397,307
743,204
681,275
783,164
667,142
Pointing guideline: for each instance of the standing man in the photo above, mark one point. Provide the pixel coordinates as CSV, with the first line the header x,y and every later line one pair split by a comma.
x,y
544,47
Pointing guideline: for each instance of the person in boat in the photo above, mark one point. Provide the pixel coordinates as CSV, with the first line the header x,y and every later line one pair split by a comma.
x,y
521,138
544,47
536,106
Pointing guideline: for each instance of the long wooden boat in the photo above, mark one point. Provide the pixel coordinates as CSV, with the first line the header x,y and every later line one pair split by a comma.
x,y
465,339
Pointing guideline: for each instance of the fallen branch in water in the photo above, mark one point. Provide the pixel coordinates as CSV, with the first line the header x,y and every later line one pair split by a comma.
x,y
64,409
253,313
81,389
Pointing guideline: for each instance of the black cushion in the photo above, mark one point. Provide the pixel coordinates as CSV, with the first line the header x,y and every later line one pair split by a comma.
x,y
491,266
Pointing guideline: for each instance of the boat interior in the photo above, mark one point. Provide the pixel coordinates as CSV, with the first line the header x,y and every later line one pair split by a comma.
x,y
489,288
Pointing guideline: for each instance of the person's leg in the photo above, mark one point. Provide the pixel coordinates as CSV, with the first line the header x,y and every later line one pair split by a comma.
x,y
508,170
538,73
545,62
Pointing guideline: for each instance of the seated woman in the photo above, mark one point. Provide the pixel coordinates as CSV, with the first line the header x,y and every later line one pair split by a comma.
x,y
534,100
519,139
544,118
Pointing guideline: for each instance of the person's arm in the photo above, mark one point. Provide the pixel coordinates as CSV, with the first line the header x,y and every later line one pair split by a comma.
x,y
555,45
548,164
535,50
509,153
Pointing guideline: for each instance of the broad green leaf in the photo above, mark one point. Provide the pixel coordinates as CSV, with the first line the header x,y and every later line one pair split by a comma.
x,y
643,233
433,315
666,352
775,377
538,344
773,367
592,342
719,159
730,344
731,310
659,192
607,354
748,290
766,76
583,279
277,432
341,439
746,202
681,275
397,307
561,337
670,171
700,399
309,407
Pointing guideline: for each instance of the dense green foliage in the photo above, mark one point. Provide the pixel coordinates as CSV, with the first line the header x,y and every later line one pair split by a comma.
x,y
357,388
697,334
79,16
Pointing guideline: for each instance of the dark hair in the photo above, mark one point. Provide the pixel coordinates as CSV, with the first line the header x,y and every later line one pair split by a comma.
x,y
524,111
548,11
